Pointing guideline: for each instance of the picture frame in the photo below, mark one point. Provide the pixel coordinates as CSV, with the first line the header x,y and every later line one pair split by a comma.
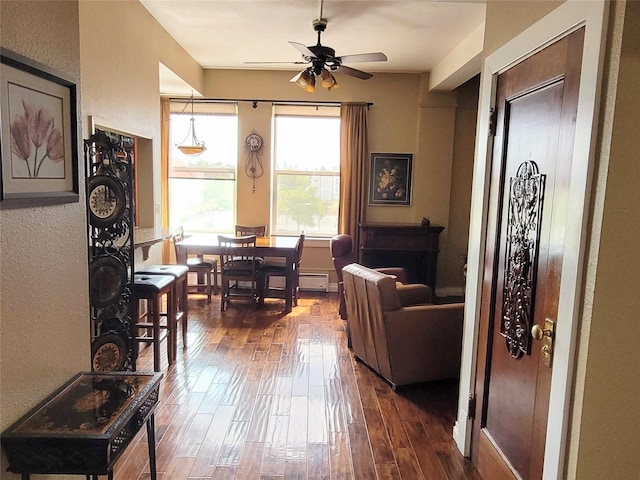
x,y
390,179
38,134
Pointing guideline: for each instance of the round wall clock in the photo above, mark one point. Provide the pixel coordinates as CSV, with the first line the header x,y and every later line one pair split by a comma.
x,y
107,279
108,353
254,142
106,200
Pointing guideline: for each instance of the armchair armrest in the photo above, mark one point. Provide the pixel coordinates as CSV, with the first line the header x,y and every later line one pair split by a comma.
x,y
398,272
414,294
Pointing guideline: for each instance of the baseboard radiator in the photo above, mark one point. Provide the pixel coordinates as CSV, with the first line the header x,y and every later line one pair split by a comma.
x,y
309,282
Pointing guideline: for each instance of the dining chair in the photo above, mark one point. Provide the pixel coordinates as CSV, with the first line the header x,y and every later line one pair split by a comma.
x,y
203,268
278,268
239,263
259,231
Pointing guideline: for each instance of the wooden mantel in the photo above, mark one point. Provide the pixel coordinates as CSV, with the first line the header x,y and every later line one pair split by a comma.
x,y
412,246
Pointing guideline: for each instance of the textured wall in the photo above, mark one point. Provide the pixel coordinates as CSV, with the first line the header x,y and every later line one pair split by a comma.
x,y
44,311
605,441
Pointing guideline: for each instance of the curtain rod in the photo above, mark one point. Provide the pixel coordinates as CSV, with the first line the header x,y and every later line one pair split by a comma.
x,y
256,101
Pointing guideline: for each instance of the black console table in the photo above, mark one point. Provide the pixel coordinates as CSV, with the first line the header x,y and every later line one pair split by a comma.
x,y
83,428
414,247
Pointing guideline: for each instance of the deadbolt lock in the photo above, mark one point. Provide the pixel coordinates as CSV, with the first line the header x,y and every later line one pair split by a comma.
x,y
547,336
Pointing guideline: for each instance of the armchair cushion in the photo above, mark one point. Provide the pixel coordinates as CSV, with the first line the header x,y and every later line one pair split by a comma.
x,y
414,294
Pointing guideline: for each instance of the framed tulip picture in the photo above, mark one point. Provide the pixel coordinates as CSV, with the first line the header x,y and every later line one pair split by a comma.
x,y
39,134
390,179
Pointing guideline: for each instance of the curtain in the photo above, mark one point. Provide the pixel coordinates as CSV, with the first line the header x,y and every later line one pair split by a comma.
x,y
353,168
165,117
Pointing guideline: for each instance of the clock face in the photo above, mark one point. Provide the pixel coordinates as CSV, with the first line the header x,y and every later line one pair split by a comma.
x,y
103,202
106,200
107,280
254,142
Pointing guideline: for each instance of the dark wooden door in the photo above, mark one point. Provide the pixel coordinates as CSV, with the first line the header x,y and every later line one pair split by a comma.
x,y
530,174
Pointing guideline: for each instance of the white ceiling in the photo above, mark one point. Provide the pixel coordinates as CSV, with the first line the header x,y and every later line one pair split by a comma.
x,y
415,35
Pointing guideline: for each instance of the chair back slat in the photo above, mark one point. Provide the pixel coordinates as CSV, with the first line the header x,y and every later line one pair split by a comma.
x,y
258,231
239,263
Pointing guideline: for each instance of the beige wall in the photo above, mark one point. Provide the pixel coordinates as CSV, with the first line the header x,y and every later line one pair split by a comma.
x,y
405,118
111,49
43,268
505,20
120,83
603,440
605,443
43,250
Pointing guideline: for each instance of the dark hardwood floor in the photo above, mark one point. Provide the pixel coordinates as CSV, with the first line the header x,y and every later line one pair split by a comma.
x,y
261,396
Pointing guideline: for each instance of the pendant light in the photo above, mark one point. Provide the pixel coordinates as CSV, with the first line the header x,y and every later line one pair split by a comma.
x,y
195,147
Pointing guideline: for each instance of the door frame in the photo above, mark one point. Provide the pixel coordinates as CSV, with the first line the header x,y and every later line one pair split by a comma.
x,y
565,19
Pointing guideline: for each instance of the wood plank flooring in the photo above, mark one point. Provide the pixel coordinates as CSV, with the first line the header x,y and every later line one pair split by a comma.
x,y
261,396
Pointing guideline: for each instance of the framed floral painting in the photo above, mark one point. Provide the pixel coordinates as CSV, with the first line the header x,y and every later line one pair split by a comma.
x,y
39,137
390,179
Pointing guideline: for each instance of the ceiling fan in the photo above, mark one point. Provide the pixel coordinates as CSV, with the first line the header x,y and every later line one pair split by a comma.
x,y
322,61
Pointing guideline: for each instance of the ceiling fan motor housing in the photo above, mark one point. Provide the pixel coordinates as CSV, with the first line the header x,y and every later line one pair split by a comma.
x,y
319,24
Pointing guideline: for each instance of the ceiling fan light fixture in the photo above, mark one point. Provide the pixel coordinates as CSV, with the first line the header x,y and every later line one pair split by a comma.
x,y
327,79
305,80
195,147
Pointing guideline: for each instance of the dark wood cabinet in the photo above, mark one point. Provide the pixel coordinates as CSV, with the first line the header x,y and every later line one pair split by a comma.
x,y
414,247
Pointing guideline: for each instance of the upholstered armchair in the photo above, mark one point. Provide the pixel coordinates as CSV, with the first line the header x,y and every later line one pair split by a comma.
x,y
404,343
341,247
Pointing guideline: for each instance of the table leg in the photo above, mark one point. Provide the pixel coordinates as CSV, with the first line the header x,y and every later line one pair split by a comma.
x,y
288,286
25,476
151,440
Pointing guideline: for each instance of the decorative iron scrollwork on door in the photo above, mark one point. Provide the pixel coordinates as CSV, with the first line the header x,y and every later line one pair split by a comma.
x,y
526,194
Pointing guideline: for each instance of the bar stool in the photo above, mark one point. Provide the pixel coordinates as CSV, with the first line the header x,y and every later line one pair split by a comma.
x,y
151,288
180,273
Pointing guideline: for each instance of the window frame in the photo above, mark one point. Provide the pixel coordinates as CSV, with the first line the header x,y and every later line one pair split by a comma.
x,y
228,173
303,112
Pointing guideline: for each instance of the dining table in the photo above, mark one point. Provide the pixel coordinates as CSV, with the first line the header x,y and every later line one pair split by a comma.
x,y
268,246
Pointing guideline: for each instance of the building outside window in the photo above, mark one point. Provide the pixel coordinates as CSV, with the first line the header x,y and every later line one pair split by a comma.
x,y
202,189
306,170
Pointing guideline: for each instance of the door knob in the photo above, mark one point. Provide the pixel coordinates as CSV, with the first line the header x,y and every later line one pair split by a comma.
x,y
546,335
539,333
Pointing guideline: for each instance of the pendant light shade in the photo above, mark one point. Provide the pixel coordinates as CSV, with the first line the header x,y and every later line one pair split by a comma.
x,y
305,80
328,81
191,145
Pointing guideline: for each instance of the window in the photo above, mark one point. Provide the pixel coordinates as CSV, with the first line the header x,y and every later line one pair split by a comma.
x,y
306,177
202,188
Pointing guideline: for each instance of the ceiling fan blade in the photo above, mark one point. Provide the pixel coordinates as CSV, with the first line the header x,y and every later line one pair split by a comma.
x,y
354,73
302,49
364,57
282,63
